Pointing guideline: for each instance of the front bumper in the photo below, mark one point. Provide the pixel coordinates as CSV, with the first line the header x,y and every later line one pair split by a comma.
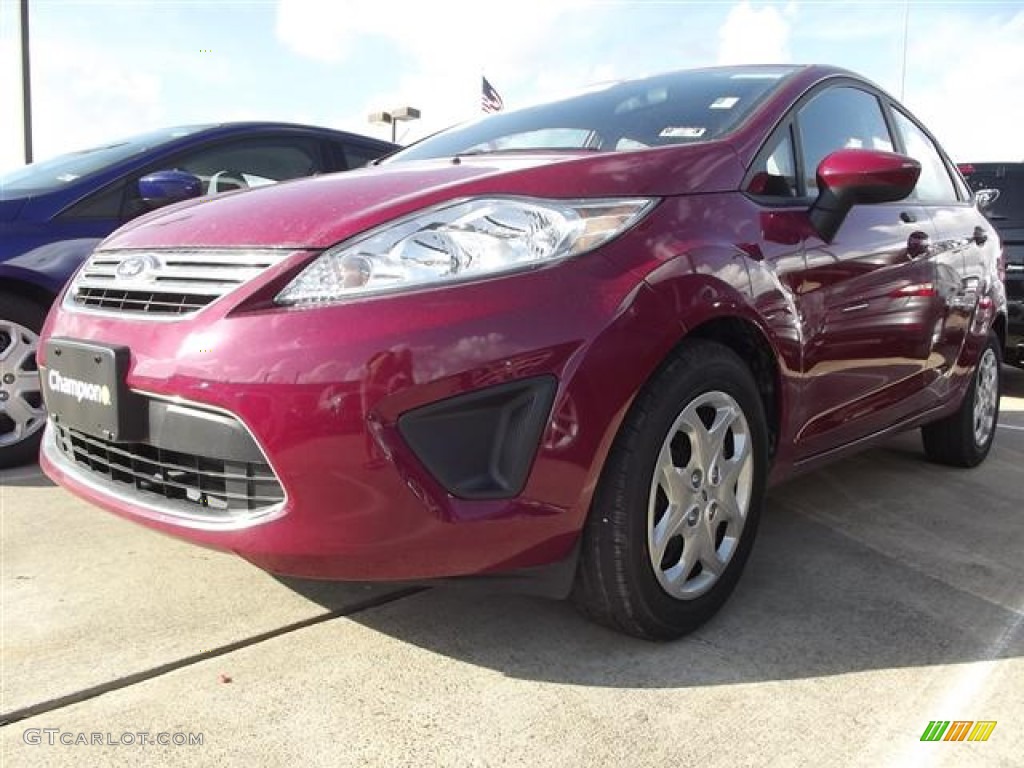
x,y
326,395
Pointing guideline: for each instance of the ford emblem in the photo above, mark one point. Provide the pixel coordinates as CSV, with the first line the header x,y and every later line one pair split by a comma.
x,y
138,267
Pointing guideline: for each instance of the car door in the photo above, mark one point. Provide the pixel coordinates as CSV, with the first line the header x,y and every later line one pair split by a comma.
x,y
866,298
962,238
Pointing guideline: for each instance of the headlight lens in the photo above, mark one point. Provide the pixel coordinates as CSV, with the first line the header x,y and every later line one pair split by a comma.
x,y
461,241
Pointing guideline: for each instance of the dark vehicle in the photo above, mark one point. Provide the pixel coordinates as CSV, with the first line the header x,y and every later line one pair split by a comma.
x,y
571,343
1002,187
53,213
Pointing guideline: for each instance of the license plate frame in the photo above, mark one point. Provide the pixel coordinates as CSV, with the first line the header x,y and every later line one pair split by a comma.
x,y
84,386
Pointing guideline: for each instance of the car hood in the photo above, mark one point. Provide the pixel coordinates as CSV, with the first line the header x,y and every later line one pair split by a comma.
x,y
321,211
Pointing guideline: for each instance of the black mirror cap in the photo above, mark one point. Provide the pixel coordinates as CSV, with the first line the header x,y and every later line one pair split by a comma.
x,y
850,177
165,187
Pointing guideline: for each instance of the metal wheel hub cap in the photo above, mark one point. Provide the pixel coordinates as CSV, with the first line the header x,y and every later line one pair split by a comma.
x,y
986,397
700,495
21,402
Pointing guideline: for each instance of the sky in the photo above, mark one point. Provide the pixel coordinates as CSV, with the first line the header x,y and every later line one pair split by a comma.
x,y
106,69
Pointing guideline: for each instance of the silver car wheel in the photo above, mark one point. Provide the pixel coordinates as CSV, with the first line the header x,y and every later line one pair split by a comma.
x,y
22,413
700,495
986,396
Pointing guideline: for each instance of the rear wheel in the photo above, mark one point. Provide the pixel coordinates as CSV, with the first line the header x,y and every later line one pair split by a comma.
x,y
22,414
964,438
675,514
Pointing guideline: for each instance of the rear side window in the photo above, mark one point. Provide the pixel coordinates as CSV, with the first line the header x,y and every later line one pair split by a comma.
x,y
839,118
935,184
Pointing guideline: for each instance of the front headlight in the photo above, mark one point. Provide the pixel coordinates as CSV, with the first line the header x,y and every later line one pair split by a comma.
x,y
462,241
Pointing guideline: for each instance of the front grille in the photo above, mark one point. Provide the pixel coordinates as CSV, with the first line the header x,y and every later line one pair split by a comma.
x,y
203,485
165,283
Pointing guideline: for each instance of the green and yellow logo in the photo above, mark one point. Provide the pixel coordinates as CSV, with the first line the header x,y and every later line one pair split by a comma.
x,y
958,730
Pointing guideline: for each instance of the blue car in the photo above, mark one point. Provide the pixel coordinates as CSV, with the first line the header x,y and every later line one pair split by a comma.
x,y
53,213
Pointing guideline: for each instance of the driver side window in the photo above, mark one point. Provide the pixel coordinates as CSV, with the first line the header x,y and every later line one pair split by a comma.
x,y
251,163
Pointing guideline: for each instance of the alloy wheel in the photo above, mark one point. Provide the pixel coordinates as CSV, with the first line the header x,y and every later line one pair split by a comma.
x,y
986,396
22,413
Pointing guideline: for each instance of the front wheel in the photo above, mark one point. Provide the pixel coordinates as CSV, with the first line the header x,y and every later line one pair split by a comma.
x,y
677,508
964,438
22,414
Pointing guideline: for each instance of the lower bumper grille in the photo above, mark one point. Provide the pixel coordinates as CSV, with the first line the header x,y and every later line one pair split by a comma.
x,y
208,486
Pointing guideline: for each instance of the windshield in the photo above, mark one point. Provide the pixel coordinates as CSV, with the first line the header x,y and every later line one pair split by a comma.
x,y
48,175
677,108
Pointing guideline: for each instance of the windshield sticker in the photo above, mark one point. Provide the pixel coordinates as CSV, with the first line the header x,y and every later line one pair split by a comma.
x,y
725,102
682,132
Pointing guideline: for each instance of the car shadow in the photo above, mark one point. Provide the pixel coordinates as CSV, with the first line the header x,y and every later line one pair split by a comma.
x,y
28,476
848,575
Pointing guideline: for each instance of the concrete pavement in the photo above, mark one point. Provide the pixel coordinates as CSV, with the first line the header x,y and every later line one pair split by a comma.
x,y
883,593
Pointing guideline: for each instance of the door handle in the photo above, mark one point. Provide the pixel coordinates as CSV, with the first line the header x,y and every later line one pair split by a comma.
x,y
907,217
980,236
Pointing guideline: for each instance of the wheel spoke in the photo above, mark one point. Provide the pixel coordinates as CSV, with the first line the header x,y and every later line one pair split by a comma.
x,y
691,554
26,419
710,562
672,523
734,465
711,440
671,479
26,382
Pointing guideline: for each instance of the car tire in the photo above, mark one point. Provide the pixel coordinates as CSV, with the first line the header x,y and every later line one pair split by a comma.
x,y
684,480
964,438
22,414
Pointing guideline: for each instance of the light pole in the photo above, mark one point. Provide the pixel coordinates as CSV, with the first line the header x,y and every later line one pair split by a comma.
x,y
395,116
26,84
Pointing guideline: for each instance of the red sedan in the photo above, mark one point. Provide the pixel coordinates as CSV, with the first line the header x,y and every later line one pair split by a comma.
x,y
567,346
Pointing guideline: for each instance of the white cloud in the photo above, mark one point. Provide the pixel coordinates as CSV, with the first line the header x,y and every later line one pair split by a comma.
x,y
755,35
443,48
975,106
436,34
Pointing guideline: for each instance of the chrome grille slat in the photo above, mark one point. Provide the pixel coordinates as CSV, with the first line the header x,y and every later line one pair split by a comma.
x,y
174,283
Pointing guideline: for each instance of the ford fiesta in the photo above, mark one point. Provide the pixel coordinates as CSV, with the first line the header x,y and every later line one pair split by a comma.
x,y
573,342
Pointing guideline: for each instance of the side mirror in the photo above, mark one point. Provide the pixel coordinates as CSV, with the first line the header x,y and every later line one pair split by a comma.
x,y
166,187
852,177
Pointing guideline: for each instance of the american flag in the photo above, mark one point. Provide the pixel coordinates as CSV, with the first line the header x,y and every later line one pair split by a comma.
x,y
490,100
